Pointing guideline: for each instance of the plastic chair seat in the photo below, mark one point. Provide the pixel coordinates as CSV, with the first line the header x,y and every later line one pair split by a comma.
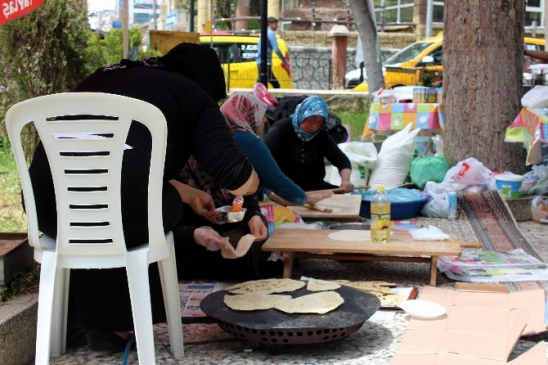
x,y
84,137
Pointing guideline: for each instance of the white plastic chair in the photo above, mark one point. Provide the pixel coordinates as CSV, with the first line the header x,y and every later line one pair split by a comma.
x,y
86,172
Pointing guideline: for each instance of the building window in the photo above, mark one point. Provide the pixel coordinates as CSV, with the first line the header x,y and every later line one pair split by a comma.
x,y
437,11
394,11
533,13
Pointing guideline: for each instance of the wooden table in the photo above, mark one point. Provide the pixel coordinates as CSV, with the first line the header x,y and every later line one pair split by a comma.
x,y
316,244
346,207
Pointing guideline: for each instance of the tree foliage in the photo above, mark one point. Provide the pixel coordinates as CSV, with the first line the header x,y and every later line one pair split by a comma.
x,y
110,49
43,53
50,50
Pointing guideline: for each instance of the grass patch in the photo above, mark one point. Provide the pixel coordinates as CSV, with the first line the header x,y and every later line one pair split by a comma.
x,y
356,121
12,218
25,281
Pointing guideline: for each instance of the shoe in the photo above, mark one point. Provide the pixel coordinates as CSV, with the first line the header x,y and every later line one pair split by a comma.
x,y
106,341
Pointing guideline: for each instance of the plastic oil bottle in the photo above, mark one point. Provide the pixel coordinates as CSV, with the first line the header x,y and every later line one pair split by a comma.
x,y
380,217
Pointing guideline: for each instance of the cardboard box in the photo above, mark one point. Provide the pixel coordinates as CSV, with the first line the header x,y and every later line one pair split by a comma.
x,y
481,327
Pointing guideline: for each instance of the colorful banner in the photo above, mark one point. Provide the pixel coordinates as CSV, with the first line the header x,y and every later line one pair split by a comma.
x,y
13,9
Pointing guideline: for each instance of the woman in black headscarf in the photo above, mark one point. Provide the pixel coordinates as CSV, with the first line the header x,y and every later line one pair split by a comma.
x,y
185,85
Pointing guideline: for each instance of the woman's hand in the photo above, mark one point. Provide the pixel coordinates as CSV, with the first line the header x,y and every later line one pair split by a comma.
x,y
346,185
209,238
257,228
200,201
316,197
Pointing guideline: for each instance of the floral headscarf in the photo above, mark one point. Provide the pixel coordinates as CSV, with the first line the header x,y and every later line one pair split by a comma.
x,y
309,107
243,112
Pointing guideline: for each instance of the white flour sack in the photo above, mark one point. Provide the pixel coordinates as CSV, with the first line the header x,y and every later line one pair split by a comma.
x,y
394,159
362,156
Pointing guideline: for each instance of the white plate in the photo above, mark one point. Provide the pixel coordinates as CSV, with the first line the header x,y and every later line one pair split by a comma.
x,y
422,308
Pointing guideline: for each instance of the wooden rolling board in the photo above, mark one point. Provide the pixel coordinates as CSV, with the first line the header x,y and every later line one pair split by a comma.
x,y
344,206
311,240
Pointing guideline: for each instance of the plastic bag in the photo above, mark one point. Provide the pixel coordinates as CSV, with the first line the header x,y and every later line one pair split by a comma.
x,y
535,182
468,172
536,98
428,168
362,156
438,142
394,160
384,96
437,205
539,209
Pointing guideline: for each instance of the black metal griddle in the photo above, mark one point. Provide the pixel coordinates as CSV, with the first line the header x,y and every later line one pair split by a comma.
x,y
274,328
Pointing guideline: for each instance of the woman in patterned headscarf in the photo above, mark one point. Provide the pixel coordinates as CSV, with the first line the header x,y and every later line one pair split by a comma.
x,y
245,113
300,144
194,261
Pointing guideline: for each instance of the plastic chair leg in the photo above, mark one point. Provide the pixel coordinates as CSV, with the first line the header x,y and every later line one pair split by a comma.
x,y
46,295
170,289
60,310
139,291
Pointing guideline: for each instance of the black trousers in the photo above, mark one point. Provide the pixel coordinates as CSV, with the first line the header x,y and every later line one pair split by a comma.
x,y
270,76
99,299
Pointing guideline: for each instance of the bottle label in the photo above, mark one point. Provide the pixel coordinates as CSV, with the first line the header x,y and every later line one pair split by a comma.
x,y
380,228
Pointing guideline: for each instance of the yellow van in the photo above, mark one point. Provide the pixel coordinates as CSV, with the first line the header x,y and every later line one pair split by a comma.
x,y
403,68
238,57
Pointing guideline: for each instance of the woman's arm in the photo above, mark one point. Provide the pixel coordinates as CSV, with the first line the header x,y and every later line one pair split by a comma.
x,y
214,148
346,185
270,175
540,55
200,201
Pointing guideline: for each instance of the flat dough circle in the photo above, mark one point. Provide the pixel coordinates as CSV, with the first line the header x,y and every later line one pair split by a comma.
x,y
266,286
229,252
350,235
317,303
321,285
254,301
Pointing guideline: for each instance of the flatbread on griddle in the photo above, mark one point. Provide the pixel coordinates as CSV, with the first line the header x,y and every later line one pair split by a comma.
x,y
321,285
254,301
266,286
317,303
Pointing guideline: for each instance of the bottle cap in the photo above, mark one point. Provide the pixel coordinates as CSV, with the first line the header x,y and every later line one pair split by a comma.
x,y
380,188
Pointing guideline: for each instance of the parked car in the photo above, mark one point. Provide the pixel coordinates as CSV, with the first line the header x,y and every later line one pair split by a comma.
x,y
238,55
402,69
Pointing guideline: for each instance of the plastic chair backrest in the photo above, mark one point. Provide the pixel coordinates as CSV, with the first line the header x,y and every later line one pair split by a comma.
x,y
84,136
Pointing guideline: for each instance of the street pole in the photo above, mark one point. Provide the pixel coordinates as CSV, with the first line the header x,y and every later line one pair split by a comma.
x,y
125,29
262,71
154,25
191,25
429,12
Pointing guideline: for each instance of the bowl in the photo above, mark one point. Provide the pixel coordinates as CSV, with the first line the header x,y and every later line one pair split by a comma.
x,y
226,215
513,181
399,210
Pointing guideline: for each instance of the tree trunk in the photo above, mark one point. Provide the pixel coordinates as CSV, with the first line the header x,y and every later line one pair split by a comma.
x,y
483,56
242,9
363,14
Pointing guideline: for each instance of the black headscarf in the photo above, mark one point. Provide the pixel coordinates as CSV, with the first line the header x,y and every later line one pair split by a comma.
x,y
195,61
200,64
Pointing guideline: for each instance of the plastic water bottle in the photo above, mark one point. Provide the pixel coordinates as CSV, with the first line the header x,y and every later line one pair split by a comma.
x,y
380,217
